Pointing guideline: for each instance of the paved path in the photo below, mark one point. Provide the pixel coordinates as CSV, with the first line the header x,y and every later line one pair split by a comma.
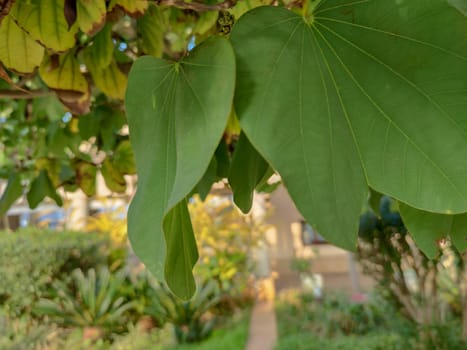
x,y
263,326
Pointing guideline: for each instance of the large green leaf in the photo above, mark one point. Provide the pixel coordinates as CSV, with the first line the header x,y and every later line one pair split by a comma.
x,y
290,111
374,88
428,229
177,112
45,22
247,171
18,51
12,192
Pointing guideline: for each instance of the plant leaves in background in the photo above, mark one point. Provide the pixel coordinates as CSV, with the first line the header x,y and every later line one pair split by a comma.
x,y
124,158
18,51
63,74
12,192
91,15
152,27
113,178
369,91
44,21
247,170
428,229
131,7
177,112
86,177
100,53
110,80
42,187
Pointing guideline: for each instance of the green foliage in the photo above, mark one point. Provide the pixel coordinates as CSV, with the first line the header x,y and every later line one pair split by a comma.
x,y
337,323
31,259
203,83
22,333
91,300
339,97
191,319
225,238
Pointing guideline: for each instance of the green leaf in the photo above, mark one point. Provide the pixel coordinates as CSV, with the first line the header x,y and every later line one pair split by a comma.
x,y
222,160
247,170
44,21
40,188
152,27
298,126
86,177
461,5
182,252
375,201
18,51
63,74
112,177
124,158
110,80
12,192
91,15
428,229
100,53
204,185
371,91
177,112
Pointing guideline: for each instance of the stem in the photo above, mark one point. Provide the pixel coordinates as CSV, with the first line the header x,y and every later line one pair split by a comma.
x,y
19,95
196,6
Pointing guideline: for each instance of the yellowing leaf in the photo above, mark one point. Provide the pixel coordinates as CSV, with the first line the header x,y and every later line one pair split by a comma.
x,y
91,15
112,177
65,75
151,28
132,7
45,22
18,51
109,80
86,177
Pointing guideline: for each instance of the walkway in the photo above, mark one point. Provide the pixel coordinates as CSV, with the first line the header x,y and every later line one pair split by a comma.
x,y
263,326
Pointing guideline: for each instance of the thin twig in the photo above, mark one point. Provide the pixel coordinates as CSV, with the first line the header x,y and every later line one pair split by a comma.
x,y
197,6
19,95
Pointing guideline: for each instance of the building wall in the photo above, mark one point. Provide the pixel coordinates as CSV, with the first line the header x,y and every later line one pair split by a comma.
x,y
337,266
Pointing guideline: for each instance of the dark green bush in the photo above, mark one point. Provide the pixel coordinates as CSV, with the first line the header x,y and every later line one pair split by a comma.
x,y
31,259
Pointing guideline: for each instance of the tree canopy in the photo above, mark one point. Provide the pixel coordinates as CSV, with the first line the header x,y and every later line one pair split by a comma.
x,y
342,98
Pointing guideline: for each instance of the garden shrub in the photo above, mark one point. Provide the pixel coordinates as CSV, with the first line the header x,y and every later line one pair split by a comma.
x,y
31,259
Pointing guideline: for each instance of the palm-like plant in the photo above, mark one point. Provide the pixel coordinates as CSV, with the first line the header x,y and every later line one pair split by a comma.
x,y
191,319
91,300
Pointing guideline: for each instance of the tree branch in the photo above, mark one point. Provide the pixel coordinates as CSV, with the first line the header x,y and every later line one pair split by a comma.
x,y
197,6
21,95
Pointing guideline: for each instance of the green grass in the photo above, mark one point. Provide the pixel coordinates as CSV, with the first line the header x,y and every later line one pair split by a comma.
x,y
309,341
231,337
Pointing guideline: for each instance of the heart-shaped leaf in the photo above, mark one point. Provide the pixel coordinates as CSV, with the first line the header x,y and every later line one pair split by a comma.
x,y
18,51
360,91
428,229
177,112
44,21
